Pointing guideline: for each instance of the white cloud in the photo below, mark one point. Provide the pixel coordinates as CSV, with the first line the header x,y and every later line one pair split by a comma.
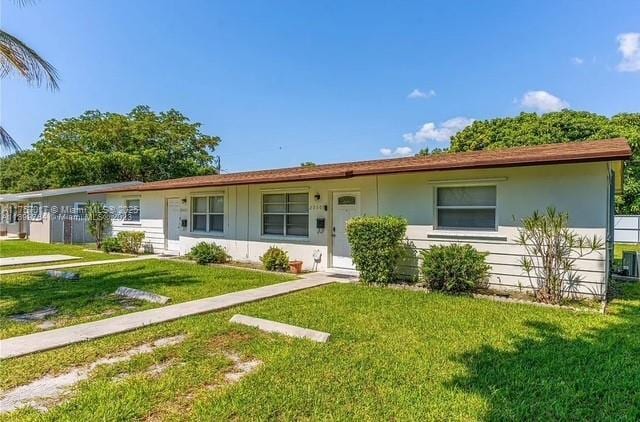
x,y
629,47
442,133
577,60
398,152
542,101
417,94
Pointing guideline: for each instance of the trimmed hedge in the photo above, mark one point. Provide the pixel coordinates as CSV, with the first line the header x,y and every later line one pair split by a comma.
x,y
454,268
208,253
376,246
275,259
111,244
131,241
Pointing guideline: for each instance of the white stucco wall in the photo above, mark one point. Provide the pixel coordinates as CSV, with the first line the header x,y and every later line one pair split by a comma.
x,y
579,189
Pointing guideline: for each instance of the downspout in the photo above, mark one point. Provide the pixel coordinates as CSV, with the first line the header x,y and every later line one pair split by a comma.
x,y
609,244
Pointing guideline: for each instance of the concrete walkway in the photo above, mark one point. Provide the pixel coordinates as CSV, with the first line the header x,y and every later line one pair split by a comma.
x,y
34,259
37,342
75,264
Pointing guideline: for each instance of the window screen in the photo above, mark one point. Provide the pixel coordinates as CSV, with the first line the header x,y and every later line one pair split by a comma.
x,y
285,214
469,207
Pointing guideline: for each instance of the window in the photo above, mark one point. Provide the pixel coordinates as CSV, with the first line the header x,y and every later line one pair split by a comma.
x,y
132,212
207,213
469,207
35,211
347,200
285,214
12,213
80,210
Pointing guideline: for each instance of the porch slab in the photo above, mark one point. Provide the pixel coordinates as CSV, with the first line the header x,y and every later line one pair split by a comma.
x,y
34,259
281,328
38,342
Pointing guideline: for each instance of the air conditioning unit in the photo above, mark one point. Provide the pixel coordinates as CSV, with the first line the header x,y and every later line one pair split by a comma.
x,y
631,262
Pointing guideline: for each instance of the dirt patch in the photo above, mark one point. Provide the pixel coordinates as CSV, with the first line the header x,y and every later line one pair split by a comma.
x,y
48,391
241,368
228,340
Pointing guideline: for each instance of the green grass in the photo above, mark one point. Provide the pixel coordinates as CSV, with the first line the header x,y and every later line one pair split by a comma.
x,y
393,354
92,297
12,248
620,247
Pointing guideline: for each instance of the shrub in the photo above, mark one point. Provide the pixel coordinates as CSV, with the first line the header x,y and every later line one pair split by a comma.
x,y
98,220
454,268
552,250
376,246
208,253
275,259
111,244
131,241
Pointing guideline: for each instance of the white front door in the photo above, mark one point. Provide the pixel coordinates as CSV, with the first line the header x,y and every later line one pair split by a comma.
x,y
345,206
174,223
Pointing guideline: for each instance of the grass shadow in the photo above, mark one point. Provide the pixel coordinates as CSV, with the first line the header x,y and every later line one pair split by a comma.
x,y
554,375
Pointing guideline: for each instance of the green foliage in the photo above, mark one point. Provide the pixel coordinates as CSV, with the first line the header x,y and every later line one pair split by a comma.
x,y
454,268
552,250
208,253
111,244
562,126
99,221
275,259
376,246
131,241
98,147
425,151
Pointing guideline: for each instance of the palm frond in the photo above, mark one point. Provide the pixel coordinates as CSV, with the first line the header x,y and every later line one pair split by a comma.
x,y
7,142
19,57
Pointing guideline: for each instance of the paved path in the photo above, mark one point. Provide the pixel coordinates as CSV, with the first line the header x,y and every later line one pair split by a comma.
x,y
75,264
34,259
37,342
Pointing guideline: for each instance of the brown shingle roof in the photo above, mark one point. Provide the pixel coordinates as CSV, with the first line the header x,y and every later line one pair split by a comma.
x,y
575,152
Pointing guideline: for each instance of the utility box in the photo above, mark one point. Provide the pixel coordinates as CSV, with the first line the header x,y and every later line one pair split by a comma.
x,y
631,262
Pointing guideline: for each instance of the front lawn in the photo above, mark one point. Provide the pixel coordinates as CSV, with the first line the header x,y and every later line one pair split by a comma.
x,y
12,248
92,296
393,355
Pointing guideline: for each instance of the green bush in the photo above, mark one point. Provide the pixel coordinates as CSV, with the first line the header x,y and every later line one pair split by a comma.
x,y
131,241
111,244
454,268
275,259
208,253
376,246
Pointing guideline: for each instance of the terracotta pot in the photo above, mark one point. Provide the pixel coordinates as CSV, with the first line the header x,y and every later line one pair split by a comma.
x,y
22,235
295,266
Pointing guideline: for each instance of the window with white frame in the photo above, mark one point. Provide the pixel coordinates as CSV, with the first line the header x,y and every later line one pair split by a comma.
x,y
132,212
35,211
80,210
466,207
285,214
207,213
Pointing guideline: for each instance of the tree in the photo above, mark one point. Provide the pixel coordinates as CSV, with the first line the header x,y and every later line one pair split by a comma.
x,y
98,147
17,57
552,250
562,126
99,221
308,164
425,151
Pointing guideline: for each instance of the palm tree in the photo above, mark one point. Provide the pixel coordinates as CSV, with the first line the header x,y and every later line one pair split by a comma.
x,y
16,56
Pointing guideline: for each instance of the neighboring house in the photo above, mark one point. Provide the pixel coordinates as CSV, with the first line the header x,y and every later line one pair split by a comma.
x,y
52,215
473,197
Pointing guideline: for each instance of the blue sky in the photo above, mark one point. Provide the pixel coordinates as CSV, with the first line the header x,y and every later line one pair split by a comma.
x,y
283,82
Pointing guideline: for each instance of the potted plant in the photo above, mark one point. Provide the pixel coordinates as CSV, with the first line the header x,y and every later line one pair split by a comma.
x,y
295,266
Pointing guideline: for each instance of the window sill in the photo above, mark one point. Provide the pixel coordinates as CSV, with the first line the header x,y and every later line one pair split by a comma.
x,y
131,223
294,239
467,235
218,235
